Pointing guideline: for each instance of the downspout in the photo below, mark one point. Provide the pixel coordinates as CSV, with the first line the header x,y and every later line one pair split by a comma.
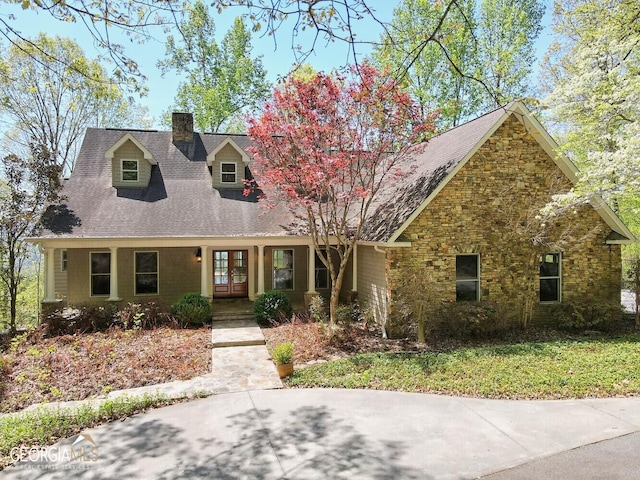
x,y
382,324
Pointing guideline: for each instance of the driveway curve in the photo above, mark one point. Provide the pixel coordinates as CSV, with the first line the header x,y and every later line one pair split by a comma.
x,y
324,433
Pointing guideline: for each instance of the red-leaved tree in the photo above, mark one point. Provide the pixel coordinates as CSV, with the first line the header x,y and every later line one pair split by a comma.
x,y
325,146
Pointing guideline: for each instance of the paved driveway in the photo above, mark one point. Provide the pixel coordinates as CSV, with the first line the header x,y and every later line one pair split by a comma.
x,y
316,433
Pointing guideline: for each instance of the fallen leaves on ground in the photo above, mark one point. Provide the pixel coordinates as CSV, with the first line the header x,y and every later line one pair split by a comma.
x,y
74,367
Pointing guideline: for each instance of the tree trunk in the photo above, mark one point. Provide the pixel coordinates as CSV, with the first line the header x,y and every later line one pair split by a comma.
x,y
336,286
13,293
421,322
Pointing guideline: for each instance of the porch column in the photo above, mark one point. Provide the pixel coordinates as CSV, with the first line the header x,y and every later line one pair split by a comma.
x,y
312,271
354,264
113,277
260,269
50,278
204,271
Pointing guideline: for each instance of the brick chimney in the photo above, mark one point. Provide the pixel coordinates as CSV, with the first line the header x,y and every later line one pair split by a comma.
x,y
182,127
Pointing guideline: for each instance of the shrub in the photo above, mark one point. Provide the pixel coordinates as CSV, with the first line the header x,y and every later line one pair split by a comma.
x,y
192,309
5,368
347,314
272,306
149,315
84,319
318,309
469,320
584,315
93,318
282,353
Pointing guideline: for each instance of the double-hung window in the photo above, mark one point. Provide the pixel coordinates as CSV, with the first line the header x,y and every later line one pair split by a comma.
x,y
283,269
322,272
129,170
228,173
146,264
467,278
100,273
550,277
63,260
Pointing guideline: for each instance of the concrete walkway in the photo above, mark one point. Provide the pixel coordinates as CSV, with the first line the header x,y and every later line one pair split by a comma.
x,y
240,360
323,433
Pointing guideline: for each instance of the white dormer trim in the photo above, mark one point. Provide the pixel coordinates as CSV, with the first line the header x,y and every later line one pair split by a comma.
x,y
227,141
128,136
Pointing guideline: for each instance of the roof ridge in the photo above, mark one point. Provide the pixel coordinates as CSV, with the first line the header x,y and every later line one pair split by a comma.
x,y
128,129
503,107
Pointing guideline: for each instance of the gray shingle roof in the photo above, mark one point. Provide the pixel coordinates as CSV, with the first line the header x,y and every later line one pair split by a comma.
x,y
179,201
434,163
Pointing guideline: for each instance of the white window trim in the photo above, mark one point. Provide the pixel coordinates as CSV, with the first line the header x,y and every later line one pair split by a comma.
x,y
102,295
293,269
135,273
235,172
64,260
477,279
122,170
558,277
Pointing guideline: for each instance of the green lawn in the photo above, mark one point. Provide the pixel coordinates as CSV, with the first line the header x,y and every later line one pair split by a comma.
x,y
554,369
45,426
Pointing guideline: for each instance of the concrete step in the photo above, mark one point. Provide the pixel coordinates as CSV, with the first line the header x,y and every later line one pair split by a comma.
x,y
223,317
236,333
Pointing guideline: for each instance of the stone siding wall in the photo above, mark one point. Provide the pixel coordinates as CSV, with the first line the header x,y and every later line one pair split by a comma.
x,y
487,209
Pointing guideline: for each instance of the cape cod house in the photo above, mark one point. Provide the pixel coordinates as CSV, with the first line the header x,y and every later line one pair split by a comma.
x,y
156,214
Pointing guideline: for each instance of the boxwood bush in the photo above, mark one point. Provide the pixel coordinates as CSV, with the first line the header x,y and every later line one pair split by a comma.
x,y
272,306
192,309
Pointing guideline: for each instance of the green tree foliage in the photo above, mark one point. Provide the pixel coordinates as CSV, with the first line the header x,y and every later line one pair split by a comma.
x,y
591,72
31,184
463,57
52,103
107,21
223,81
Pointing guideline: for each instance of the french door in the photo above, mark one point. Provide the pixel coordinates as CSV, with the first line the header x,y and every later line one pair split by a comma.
x,y
230,273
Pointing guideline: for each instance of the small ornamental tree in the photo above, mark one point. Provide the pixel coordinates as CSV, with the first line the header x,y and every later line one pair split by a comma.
x,y
325,145
29,186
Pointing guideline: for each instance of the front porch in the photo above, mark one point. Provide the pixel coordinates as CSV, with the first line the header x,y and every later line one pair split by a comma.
x,y
94,271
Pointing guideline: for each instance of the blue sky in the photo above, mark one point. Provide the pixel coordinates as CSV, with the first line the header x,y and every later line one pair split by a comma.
x,y
277,58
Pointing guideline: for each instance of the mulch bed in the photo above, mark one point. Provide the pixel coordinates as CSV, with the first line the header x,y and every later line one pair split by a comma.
x,y
313,343
74,367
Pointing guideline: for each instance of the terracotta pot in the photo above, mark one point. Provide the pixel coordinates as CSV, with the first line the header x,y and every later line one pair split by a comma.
x,y
285,370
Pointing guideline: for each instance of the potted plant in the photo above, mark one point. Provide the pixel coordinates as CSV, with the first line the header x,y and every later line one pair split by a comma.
x,y
282,355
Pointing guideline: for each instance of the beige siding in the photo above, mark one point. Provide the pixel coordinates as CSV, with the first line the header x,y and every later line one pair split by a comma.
x,y
60,276
129,151
227,154
178,273
78,276
372,283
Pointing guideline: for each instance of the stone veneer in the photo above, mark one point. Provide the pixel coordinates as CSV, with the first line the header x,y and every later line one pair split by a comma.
x,y
478,212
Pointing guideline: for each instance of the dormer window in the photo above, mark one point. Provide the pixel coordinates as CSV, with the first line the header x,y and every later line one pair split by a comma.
x,y
228,164
130,170
131,163
228,172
